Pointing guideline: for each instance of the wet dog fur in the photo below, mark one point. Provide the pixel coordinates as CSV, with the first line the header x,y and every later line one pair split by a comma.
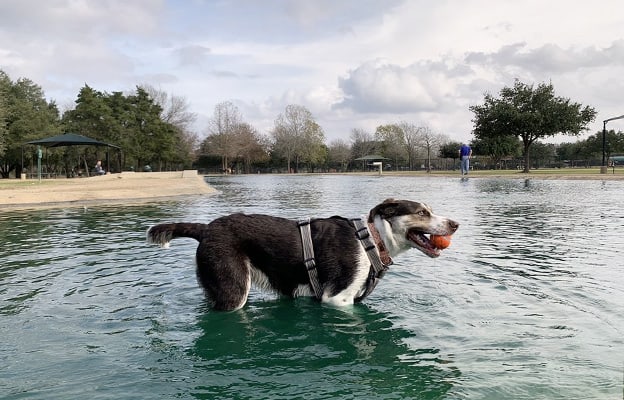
x,y
238,250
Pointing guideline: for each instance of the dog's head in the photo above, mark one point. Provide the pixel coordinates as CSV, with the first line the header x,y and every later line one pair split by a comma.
x,y
404,224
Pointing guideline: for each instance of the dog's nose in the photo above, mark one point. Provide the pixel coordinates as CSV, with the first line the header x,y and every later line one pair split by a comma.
x,y
453,225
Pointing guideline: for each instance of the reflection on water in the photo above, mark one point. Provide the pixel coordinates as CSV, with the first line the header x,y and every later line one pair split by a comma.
x,y
526,303
313,350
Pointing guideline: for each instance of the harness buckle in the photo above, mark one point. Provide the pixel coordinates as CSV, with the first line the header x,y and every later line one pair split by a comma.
x,y
309,263
308,256
361,231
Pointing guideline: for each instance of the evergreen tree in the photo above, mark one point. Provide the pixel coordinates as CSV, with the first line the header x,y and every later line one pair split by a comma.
x,y
530,113
27,116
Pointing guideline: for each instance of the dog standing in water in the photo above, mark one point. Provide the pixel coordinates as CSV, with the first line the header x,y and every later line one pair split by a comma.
x,y
340,265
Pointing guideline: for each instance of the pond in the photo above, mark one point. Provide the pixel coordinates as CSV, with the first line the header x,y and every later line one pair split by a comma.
x,y
527,303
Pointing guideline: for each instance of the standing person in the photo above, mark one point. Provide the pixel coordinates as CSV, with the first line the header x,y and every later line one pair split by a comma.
x,y
465,152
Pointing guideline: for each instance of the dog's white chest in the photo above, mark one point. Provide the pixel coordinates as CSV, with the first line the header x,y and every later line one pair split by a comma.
x,y
355,289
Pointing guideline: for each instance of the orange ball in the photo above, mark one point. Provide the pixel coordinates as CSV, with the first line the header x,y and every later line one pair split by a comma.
x,y
440,242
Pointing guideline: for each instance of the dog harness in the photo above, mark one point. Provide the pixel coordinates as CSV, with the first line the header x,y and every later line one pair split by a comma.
x,y
308,256
375,252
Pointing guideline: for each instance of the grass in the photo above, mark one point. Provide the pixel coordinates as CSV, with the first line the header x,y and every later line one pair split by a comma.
x,y
551,171
545,173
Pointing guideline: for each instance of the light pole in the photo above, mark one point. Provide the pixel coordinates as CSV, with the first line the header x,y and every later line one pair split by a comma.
x,y
603,170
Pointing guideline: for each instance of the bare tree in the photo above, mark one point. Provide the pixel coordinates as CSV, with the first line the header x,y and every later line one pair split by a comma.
x,y
297,137
339,152
431,141
412,140
252,146
222,133
176,111
363,143
392,138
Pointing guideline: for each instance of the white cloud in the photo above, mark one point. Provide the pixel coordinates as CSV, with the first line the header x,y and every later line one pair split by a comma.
x,y
353,63
381,87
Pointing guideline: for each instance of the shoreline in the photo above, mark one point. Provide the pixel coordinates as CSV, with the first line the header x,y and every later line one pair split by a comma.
x,y
141,187
514,175
123,188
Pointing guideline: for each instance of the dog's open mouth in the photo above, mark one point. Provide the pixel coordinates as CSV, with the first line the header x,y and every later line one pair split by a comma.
x,y
421,241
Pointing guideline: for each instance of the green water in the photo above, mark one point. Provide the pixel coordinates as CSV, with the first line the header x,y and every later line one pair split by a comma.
x,y
526,303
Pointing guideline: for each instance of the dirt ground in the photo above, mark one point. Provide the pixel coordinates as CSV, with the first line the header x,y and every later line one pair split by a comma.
x,y
127,187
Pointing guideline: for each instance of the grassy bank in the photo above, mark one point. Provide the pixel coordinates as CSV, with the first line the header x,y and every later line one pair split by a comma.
x,y
550,173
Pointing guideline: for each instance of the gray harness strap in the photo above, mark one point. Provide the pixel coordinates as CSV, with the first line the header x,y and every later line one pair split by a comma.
x,y
308,256
377,269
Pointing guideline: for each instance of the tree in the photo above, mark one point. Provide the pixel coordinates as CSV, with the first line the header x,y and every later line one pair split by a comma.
x,y
497,148
429,140
413,139
543,154
589,151
568,152
233,140
222,132
363,144
175,110
27,116
393,144
252,147
529,113
153,139
449,150
4,132
297,137
339,153
95,117
133,122
614,141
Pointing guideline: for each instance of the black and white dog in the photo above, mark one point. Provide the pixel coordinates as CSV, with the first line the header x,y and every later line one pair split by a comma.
x,y
238,250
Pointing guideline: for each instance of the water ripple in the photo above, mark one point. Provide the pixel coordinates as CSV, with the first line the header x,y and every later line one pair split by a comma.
x,y
525,304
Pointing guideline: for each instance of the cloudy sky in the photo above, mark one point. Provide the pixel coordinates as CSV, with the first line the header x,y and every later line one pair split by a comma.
x,y
352,63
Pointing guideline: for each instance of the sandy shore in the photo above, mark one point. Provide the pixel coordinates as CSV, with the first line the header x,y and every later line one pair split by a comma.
x,y
124,188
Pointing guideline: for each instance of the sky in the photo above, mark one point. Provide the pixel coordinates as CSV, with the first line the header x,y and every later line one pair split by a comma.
x,y
352,63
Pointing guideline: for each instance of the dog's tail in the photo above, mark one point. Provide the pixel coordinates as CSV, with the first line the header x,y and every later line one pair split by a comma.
x,y
162,234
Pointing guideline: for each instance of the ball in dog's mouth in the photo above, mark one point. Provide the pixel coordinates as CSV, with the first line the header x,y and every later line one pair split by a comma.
x,y
440,241
423,243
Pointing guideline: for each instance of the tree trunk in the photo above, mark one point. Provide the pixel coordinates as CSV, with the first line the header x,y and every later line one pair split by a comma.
x,y
526,158
428,160
87,172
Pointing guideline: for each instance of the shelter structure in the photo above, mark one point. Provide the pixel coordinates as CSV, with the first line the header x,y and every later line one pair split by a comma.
x,y
375,161
73,139
616,160
372,157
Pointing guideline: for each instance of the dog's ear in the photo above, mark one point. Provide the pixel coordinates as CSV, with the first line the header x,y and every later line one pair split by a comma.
x,y
385,210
